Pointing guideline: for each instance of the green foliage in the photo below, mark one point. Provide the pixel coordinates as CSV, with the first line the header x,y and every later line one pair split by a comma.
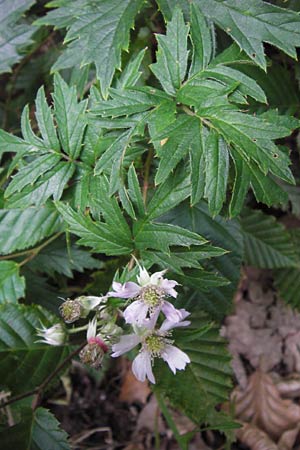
x,y
267,243
206,380
12,285
13,34
249,24
37,430
22,228
25,363
97,35
151,163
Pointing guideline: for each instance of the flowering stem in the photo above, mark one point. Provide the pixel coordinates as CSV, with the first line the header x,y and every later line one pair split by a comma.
x,y
164,409
78,329
39,389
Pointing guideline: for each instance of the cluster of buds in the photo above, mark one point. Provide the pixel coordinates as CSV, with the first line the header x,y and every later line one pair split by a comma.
x,y
148,300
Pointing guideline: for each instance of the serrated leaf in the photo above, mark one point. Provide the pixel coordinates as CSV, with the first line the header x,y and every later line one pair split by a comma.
x,y
240,187
134,191
70,116
171,58
125,102
13,35
57,258
216,173
36,430
24,362
169,194
12,285
202,40
264,23
206,381
28,174
23,228
267,243
45,121
175,141
131,74
52,184
161,236
98,34
222,233
40,292
97,235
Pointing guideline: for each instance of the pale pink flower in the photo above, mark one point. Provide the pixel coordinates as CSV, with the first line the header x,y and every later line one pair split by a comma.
x,y
154,343
150,294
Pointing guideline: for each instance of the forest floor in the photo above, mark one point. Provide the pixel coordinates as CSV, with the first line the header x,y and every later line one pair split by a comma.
x,y
115,411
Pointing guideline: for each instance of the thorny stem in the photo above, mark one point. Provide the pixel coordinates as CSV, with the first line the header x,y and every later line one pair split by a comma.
x,y
39,389
33,252
164,409
147,173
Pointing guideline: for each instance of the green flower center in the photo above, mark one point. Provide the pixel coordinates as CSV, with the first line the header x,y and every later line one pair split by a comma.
x,y
152,295
155,344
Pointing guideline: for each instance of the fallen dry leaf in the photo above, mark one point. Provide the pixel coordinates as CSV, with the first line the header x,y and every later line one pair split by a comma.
x,y
261,405
254,438
133,390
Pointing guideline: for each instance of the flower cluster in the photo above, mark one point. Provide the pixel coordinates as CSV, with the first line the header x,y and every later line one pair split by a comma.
x,y
148,300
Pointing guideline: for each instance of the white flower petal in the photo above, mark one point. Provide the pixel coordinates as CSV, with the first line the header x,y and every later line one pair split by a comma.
x,y
136,312
144,277
157,278
126,290
125,344
92,329
171,313
175,358
141,367
168,286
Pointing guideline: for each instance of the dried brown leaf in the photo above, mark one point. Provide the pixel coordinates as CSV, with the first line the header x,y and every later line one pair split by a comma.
x,y
133,390
260,403
254,438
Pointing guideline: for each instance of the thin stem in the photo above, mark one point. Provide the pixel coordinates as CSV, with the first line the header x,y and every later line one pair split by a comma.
x,y
39,389
147,173
78,329
53,375
170,421
35,251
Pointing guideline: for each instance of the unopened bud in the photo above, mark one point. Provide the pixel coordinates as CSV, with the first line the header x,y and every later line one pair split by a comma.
x,y
70,310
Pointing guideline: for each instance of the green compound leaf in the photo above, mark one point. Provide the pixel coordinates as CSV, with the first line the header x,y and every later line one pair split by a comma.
x,y
221,233
206,381
20,229
216,174
268,244
172,55
12,285
69,116
57,258
97,35
48,173
24,362
13,36
102,237
36,430
249,24
202,39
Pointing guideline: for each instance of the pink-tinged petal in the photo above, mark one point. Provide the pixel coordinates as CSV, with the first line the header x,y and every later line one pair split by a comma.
x,y
168,286
136,312
157,278
125,344
150,322
144,277
184,313
171,313
92,329
141,367
175,358
126,290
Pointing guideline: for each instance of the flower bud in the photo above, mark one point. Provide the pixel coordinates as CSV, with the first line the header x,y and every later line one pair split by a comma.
x,y
55,335
71,310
